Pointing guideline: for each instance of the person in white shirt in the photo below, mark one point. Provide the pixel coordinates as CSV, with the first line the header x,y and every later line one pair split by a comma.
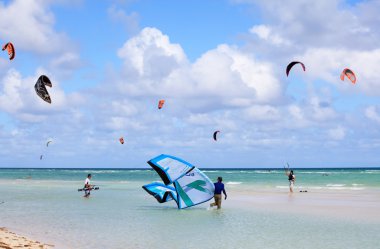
x,y
87,186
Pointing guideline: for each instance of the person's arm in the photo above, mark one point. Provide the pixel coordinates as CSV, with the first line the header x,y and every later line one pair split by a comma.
x,y
225,194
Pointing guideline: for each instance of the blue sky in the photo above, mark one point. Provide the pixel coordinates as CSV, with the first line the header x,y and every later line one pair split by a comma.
x,y
220,65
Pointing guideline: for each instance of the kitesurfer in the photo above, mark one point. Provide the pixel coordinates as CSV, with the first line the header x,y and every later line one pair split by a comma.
x,y
219,188
292,179
87,186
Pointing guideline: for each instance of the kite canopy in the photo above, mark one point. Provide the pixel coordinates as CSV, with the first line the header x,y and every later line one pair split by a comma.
x,y
291,64
161,192
161,103
47,144
194,188
41,90
11,50
121,140
191,186
170,168
349,74
215,133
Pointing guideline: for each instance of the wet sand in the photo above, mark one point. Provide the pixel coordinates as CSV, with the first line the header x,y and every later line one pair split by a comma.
x,y
362,206
10,240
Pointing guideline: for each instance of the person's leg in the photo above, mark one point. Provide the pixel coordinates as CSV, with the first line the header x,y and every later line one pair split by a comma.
x,y
213,204
291,186
219,201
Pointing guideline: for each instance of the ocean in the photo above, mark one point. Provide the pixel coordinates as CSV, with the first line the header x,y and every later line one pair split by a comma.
x,y
44,204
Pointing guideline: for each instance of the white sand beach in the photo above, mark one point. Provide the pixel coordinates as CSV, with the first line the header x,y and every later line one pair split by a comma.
x,y
11,240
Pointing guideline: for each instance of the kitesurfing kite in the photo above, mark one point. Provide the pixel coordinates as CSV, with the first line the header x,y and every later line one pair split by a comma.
x,y
287,169
183,182
215,133
11,50
161,103
349,74
41,157
291,64
40,88
47,144
121,140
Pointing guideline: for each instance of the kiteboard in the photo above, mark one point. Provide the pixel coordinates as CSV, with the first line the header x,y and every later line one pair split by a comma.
x,y
86,189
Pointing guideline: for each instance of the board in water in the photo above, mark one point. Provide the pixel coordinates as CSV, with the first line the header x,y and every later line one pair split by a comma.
x,y
86,189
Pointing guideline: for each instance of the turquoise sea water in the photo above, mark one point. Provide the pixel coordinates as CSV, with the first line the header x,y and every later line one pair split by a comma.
x,y
45,204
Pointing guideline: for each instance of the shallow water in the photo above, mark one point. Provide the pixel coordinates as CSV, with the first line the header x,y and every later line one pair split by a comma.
x,y
122,215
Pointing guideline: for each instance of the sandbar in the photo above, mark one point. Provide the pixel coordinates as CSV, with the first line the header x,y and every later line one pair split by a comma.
x,y
11,240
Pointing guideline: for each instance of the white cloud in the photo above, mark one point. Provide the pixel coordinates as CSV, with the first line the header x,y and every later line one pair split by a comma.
x,y
337,133
324,23
29,25
327,64
66,60
18,97
230,72
200,119
319,111
120,123
130,21
11,99
372,113
222,81
65,64
151,54
264,113
222,77
265,32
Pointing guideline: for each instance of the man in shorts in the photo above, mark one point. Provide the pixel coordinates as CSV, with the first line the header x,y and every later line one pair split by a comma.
x,y
219,188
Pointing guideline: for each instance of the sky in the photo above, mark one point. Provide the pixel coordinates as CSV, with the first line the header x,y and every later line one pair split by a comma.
x,y
219,65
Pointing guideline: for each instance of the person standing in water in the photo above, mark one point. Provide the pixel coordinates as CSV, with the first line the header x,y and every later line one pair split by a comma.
x,y
87,186
219,188
292,179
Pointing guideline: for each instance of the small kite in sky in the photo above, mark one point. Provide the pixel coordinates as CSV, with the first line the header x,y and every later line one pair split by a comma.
x,y
41,90
349,74
161,103
291,64
215,133
11,50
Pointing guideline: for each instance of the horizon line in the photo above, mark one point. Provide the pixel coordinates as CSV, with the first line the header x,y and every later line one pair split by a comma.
x,y
244,168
